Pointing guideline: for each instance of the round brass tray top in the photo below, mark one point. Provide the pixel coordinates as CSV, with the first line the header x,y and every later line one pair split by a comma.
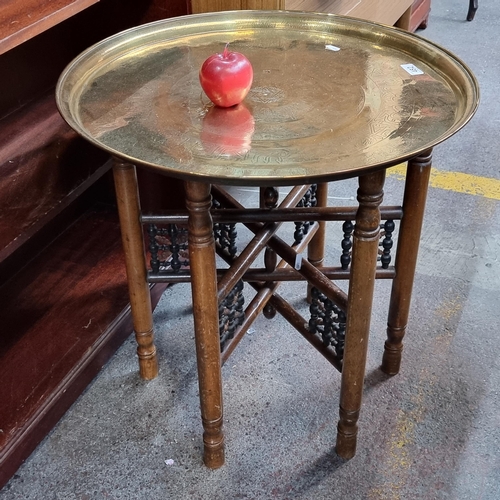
x,y
332,97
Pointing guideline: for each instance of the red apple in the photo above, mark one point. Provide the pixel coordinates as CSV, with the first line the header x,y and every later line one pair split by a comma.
x,y
226,78
227,131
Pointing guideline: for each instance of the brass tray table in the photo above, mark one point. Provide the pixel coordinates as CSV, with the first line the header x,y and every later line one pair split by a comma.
x,y
332,98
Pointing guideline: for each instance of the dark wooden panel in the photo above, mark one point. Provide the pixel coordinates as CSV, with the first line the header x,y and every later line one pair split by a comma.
x,y
163,9
62,318
159,192
21,20
29,70
33,67
44,166
54,309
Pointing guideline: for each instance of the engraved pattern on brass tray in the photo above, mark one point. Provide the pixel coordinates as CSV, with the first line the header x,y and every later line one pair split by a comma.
x,y
319,113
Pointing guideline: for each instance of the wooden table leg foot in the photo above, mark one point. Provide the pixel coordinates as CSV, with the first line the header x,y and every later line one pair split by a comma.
x,y
347,433
146,352
417,181
391,359
213,444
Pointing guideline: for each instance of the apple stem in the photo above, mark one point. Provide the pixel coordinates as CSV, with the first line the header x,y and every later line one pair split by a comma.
x,y
224,54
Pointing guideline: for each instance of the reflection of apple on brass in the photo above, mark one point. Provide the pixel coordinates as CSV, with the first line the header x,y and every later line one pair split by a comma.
x,y
227,131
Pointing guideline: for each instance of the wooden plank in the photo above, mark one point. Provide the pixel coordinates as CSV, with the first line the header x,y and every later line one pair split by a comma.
x,y
21,20
342,7
198,6
380,11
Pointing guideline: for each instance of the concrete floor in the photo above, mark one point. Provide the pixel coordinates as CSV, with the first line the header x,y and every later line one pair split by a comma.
x,y
432,432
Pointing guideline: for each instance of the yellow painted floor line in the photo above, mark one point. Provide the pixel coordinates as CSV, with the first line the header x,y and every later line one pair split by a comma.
x,y
456,181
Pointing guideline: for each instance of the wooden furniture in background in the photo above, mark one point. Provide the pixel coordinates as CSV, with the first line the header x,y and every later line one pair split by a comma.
x,y
63,296
379,11
406,14
419,16
198,6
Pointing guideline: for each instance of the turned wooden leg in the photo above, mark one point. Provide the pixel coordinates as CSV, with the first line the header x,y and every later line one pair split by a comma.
x,y
206,319
316,247
129,211
417,180
360,296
